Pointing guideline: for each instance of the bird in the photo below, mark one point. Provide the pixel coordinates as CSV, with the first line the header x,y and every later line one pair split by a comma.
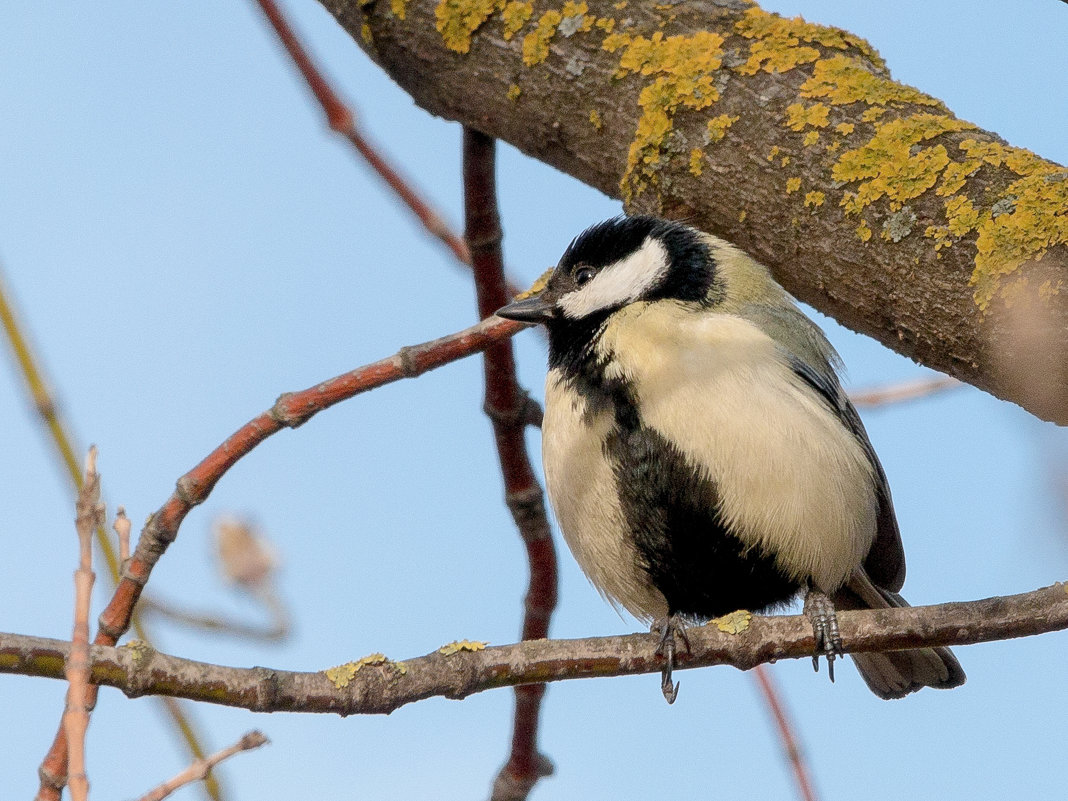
x,y
700,453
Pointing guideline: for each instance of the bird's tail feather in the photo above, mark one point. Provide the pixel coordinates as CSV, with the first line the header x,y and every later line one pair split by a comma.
x,y
895,674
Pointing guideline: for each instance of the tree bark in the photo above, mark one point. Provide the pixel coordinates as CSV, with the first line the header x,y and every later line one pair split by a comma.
x,y
867,199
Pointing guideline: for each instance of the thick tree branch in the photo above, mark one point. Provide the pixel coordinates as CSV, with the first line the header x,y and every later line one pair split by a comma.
x,y
376,685
867,198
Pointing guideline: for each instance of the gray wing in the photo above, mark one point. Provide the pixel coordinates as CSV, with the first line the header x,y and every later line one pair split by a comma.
x,y
808,353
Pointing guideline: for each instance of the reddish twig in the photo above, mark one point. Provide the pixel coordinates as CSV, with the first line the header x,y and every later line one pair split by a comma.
x,y
789,742
202,767
510,410
90,514
290,410
343,121
903,391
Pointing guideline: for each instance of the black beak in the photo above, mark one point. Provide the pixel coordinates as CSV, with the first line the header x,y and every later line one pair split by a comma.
x,y
529,310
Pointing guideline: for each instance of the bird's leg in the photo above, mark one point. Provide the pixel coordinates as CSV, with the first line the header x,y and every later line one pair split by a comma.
x,y
668,627
820,611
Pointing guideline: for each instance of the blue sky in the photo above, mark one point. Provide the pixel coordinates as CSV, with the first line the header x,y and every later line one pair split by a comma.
x,y
186,241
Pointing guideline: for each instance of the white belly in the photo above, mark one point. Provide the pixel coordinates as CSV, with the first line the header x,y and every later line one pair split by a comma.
x,y
583,494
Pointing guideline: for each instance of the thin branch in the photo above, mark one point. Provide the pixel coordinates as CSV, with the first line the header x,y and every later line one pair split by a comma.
x,y
289,411
903,391
343,121
201,769
509,409
53,769
376,685
791,748
90,515
277,627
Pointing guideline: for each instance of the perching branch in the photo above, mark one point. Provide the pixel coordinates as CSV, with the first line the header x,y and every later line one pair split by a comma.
x,y
376,685
510,410
866,197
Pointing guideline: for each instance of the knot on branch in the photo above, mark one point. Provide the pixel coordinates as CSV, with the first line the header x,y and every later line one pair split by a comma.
x,y
282,414
509,786
524,412
528,510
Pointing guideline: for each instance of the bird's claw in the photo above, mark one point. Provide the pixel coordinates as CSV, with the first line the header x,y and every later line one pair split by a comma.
x,y
820,611
668,628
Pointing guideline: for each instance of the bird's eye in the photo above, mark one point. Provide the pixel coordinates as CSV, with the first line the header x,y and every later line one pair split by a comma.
x,y
583,275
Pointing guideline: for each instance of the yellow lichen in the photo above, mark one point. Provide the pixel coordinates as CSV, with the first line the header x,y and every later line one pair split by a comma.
x,y
139,649
1035,219
792,185
605,24
961,216
536,43
773,152
784,161
457,21
595,119
887,166
742,215
811,138
815,199
734,623
833,147
873,113
940,234
366,35
620,5
955,175
717,127
842,80
398,7
863,231
844,128
696,155
341,675
684,68
513,92
777,47
798,116
461,645
515,16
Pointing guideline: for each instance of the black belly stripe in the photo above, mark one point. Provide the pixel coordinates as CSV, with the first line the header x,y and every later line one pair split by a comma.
x,y
701,568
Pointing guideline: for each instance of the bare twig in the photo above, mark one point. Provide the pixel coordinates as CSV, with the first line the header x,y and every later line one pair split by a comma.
x,y
791,748
277,628
90,515
122,529
290,410
54,766
508,407
343,121
202,767
902,391
380,686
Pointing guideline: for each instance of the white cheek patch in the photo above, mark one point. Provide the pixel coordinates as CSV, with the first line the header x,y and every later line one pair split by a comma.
x,y
617,284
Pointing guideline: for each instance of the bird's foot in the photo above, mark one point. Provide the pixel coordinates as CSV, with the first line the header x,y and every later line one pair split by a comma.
x,y
668,628
820,611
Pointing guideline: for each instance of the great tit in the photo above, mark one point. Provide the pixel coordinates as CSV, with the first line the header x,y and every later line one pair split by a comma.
x,y
699,451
